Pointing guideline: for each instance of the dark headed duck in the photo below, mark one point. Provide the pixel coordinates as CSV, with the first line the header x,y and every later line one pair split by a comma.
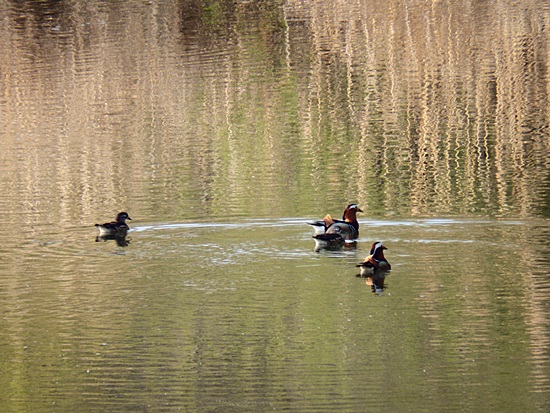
x,y
117,227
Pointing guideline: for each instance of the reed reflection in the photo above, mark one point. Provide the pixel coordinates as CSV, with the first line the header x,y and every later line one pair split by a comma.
x,y
426,112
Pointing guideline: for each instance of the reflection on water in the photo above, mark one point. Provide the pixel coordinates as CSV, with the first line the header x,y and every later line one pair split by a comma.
x,y
208,122
120,240
403,108
245,316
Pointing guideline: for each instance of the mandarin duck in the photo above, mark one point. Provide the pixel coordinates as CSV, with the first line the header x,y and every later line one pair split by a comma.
x,y
328,242
375,267
347,228
117,227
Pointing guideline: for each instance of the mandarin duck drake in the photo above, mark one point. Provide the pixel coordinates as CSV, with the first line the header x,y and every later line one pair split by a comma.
x,y
347,227
117,227
375,267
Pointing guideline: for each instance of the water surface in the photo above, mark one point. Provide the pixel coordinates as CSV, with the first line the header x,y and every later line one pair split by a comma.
x,y
223,128
247,317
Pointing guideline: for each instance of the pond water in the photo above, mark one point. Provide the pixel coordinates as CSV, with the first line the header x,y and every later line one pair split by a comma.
x,y
223,128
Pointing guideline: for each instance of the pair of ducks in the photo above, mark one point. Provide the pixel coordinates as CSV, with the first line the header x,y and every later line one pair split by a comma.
x,y
328,230
329,233
332,234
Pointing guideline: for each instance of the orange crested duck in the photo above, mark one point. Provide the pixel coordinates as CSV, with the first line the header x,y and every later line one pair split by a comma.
x,y
117,227
375,267
347,227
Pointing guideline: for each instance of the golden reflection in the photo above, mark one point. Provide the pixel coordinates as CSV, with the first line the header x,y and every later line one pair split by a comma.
x,y
408,109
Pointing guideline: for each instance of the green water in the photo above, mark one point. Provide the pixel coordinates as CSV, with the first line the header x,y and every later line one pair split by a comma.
x,y
223,128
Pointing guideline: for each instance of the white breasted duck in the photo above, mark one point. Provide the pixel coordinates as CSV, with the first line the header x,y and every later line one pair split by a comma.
x,y
117,227
347,228
375,267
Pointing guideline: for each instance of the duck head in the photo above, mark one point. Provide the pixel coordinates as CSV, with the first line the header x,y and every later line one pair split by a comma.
x,y
350,213
122,217
377,251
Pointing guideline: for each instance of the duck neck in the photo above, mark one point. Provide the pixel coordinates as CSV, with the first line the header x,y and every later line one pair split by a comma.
x,y
379,255
351,218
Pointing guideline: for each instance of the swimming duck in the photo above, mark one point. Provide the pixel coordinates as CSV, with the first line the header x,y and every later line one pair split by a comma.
x,y
117,227
328,242
375,267
347,228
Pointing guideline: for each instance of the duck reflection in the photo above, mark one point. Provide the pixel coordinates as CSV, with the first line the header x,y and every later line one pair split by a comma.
x,y
120,239
375,267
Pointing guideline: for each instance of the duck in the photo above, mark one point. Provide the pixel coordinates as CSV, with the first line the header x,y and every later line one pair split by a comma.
x,y
375,267
117,227
347,227
328,242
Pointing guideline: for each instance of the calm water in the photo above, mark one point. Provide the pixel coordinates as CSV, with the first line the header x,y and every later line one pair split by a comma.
x,y
223,128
